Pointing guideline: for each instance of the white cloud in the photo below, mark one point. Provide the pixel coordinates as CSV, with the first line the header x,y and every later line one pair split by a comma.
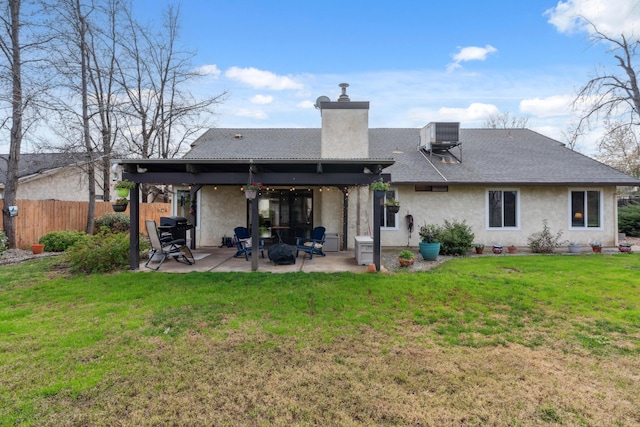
x,y
557,105
262,99
261,79
611,17
470,53
473,113
253,114
209,70
306,104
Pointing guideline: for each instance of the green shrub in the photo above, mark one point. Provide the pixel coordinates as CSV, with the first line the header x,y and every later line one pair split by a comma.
x,y
456,238
100,253
629,220
114,221
4,241
544,242
60,241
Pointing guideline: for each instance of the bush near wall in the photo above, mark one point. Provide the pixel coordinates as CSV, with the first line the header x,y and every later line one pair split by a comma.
x,y
629,220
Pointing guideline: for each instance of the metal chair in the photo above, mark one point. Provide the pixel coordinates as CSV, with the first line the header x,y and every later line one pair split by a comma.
x,y
312,245
244,246
165,248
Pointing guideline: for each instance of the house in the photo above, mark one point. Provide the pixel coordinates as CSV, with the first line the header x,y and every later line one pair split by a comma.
x,y
48,176
503,182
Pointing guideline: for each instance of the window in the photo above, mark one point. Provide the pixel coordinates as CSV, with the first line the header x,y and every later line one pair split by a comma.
x,y
388,220
585,208
502,208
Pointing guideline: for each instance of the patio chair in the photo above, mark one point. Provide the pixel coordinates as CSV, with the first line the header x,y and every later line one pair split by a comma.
x,y
244,246
165,248
312,245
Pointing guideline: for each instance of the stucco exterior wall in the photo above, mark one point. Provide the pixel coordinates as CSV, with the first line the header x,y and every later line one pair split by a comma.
x,y
63,184
470,204
342,125
224,209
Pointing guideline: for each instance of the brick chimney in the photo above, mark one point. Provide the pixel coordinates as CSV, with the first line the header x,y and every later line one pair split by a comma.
x,y
345,127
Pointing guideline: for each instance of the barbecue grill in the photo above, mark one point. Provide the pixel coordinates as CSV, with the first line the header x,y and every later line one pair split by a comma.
x,y
176,226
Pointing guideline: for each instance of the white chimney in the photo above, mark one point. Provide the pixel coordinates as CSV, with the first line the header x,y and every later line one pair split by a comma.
x,y
345,127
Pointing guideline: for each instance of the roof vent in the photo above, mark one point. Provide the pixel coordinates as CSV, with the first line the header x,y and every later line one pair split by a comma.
x,y
238,136
344,97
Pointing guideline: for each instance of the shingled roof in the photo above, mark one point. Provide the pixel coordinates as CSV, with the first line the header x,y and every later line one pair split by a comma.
x,y
488,156
32,164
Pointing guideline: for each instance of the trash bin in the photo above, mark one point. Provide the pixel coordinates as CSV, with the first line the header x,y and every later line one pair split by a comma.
x,y
330,242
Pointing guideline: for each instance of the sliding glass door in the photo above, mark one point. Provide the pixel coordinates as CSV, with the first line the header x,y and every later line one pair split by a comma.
x,y
284,215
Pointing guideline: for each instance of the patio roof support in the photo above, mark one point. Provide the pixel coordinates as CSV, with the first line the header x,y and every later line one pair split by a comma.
x,y
134,225
378,197
193,214
345,218
255,242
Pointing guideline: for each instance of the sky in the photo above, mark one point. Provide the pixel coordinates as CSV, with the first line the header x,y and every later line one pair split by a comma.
x,y
414,61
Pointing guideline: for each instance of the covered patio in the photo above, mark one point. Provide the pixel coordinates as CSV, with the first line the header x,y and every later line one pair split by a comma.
x,y
342,174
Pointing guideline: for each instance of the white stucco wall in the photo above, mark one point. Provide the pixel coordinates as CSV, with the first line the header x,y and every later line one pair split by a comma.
x,y
470,204
224,209
342,125
62,184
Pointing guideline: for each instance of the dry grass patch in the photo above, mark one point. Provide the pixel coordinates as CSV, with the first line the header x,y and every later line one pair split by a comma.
x,y
252,378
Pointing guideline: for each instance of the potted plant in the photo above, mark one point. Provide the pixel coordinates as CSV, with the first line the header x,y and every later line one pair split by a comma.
x,y
393,206
430,244
624,247
574,248
380,185
37,248
120,205
123,187
596,246
251,190
406,258
497,249
512,249
479,248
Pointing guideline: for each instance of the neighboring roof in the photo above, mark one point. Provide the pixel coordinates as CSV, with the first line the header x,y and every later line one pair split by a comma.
x,y
489,156
31,164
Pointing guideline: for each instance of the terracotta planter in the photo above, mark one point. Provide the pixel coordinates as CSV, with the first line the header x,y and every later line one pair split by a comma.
x,y
404,262
37,248
497,249
624,248
479,251
596,249
512,249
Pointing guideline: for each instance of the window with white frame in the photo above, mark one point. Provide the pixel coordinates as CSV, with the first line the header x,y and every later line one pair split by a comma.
x,y
586,208
502,208
387,219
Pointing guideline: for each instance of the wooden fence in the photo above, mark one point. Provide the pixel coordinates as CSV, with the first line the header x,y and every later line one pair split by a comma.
x,y
38,217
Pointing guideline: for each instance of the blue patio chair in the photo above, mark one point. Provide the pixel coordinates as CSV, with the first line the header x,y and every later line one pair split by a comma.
x,y
312,245
242,239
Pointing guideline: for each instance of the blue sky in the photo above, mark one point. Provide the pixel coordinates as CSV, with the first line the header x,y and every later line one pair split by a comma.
x,y
415,61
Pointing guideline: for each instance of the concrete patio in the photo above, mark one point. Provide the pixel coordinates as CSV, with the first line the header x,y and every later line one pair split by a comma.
x,y
221,260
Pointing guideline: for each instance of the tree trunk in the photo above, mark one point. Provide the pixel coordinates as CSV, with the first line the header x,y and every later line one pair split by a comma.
x,y
11,186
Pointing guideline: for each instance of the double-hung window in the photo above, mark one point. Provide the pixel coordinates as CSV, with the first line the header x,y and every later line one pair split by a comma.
x,y
387,219
503,209
586,208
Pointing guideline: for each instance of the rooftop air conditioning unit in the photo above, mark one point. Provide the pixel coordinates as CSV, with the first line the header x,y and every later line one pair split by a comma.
x,y
440,136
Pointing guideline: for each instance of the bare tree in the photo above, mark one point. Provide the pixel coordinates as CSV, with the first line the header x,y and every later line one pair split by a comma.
x,y
620,148
18,64
612,94
159,115
505,121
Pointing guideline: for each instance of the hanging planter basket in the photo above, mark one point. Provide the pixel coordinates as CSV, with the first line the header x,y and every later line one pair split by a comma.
x,y
251,194
393,209
118,207
122,192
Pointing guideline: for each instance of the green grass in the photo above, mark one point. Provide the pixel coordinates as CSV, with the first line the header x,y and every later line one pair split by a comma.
x,y
239,349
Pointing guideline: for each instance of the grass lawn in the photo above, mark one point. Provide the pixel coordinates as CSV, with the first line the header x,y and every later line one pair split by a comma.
x,y
506,341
